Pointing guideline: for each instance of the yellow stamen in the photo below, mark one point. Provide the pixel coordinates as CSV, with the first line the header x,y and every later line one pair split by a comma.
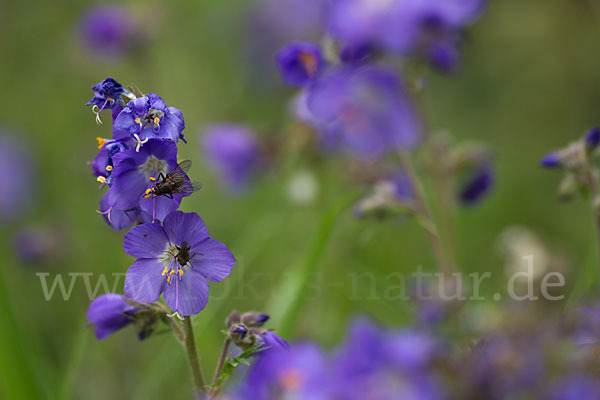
x,y
109,168
156,120
172,272
101,179
180,272
165,271
111,100
152,178
138,121
101,142
169,279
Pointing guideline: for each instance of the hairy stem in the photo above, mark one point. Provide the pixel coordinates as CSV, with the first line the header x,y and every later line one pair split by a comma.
x,y
222,359
192,355
423,211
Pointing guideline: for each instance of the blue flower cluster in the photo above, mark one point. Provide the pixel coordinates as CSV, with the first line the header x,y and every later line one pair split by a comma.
x,y
515,361
355,99
145,186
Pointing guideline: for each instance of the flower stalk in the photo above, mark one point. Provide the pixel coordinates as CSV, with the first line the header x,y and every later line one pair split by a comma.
x,y
424,213
215,389
192,355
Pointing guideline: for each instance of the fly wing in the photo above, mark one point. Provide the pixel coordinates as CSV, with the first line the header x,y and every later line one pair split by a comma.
x,y
184,166
188,187
180,170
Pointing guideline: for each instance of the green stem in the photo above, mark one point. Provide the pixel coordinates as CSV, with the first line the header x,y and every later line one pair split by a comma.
x,y
423,211
222,359
192,355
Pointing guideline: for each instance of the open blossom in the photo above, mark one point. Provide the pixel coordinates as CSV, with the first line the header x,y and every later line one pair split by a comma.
x,y
135,172
176,259
109,313
233,151
148,117
364,111
296,373
300,62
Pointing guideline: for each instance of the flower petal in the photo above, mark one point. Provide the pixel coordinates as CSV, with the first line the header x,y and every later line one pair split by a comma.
x,y
185,227
145,241
187,295
213,259
144,281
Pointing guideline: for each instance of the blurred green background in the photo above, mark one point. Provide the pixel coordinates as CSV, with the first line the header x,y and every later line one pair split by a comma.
x,y
529,84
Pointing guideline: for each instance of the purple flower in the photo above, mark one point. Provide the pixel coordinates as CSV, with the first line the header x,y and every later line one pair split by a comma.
x,y
109,313
103,165
273,24
374,364
147,118
429,29
365,111
17,182
274,343
551,160
233,151
581,326
300,63
108,30
176,259
39,245
134,172
300,372
357,53
107,94
394,193
592,137
576,387
477,185
122,219
502,364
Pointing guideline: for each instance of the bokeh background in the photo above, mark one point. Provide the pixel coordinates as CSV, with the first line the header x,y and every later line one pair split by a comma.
x,y
529,84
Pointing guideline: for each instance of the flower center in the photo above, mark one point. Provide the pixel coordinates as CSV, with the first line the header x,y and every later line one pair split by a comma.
x,y
309,62
291,379
169,259
153,167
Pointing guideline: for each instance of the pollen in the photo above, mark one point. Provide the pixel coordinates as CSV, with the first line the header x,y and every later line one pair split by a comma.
x,y
109,168
165,271
101,142
152,178
180,272
138,121
156,120
101,179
